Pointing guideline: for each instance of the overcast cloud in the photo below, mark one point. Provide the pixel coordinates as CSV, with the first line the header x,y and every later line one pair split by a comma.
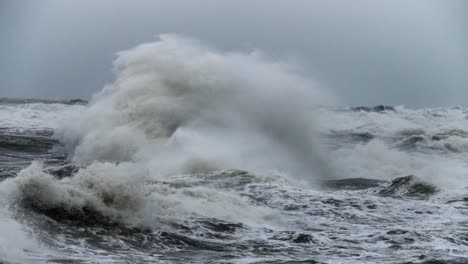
x,y
367,52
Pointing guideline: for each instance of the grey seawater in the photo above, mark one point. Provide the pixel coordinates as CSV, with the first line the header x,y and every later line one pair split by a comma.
x,y
403,219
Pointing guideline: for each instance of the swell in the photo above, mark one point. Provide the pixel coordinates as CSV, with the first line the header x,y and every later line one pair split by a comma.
x,y
18,148
442,141
20,101
26,143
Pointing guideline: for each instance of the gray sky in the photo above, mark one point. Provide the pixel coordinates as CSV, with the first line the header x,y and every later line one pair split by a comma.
x,y
367,52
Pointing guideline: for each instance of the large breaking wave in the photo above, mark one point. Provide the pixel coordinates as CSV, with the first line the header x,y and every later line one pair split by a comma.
x,y
179,108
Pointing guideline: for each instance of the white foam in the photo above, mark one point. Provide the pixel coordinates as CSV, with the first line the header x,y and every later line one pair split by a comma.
x,y
389,123
15,238
36,115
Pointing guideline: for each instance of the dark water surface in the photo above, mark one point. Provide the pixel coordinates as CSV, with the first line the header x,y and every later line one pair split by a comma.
x,y
396,219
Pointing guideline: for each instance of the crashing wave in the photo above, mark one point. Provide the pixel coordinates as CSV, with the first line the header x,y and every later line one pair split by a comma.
x,y
126,194
179,107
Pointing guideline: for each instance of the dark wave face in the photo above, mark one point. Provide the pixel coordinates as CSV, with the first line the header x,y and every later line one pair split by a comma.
x,y
197,156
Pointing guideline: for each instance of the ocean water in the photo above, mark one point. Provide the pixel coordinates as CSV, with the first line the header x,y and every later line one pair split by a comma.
x,y
197,156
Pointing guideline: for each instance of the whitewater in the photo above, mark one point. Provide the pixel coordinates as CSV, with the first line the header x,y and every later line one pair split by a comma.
x,y
193,155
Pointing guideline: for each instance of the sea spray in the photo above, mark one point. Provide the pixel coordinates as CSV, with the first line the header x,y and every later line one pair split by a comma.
x,y
177,105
